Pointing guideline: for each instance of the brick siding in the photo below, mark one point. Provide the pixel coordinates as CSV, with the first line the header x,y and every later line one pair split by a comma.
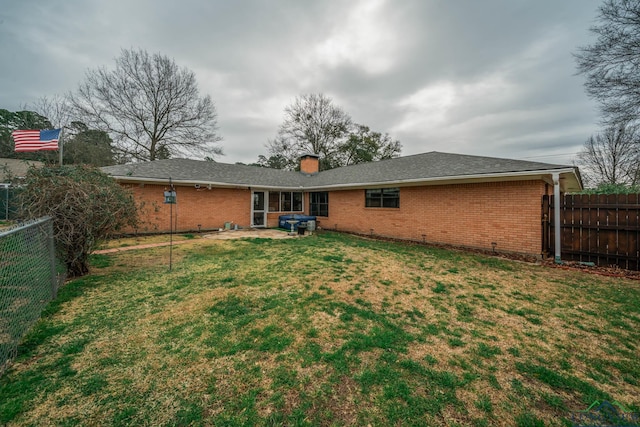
x,y
309,164
472,215
209,208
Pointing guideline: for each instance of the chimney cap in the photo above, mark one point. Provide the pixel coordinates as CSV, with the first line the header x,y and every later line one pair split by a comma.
x,y
302,156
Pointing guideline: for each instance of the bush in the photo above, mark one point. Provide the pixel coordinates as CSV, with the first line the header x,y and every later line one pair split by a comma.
x,y
86,205
612,189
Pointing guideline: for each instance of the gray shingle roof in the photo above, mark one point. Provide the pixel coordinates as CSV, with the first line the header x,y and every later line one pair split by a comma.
x,y
429,166
420,167
198,171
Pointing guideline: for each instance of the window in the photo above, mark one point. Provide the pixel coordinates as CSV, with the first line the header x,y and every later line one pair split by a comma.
x,y
285,201
274,201
296,201
319,203
382,198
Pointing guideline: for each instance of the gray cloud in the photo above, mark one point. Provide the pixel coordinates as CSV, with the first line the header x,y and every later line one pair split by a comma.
x,y
490,78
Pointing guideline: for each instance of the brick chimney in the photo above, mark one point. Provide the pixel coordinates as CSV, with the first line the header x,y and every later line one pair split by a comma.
x,y
309,164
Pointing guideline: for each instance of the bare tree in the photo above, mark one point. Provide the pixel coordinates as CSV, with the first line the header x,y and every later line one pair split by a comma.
x,y
312,124
612,64
56,108
612,157
149,106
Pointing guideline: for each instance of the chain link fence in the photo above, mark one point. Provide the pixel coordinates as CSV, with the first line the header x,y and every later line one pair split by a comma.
x,y
8,201
28,281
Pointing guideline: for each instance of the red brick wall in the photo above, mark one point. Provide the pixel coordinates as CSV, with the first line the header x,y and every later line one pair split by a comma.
x,y
472,215
209,208
309,165
273,218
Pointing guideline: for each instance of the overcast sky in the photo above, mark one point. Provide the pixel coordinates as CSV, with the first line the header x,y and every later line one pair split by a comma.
x,y
492,77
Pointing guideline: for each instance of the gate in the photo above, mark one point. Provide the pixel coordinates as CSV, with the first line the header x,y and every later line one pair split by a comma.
x,y
599,228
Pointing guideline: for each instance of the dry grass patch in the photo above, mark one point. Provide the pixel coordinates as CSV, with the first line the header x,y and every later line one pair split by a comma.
x,y
326,330
128,241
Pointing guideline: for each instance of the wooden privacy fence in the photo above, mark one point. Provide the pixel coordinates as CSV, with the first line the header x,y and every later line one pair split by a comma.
x,y
599,228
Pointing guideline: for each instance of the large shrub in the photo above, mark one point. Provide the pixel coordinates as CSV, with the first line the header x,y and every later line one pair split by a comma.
x,y
86,205
607,188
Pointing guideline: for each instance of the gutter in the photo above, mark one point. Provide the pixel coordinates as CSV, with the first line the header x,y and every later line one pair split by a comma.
x,y
161,181
413,181
444,178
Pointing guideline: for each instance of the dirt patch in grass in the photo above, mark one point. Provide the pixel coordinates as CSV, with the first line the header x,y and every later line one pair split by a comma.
x,y
130,241
600,270
142,241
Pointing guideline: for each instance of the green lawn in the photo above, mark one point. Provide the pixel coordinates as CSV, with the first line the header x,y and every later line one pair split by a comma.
x,y
325,330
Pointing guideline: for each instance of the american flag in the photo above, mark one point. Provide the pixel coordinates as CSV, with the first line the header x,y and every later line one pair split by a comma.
x,y
36,140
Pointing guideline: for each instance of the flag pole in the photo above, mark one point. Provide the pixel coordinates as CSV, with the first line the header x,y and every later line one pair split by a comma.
x,y
60,144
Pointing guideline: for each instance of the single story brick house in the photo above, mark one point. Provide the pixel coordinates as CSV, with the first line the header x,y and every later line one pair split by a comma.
x,y
469,201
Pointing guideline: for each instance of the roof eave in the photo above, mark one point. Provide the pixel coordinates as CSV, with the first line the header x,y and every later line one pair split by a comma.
x,y
189,182
569,175
165,181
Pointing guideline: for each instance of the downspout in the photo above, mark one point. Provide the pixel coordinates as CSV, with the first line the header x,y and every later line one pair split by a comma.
x,y
556,215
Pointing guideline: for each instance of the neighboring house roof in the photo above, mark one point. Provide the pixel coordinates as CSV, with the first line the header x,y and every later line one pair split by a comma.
x,y
15,168
420,169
